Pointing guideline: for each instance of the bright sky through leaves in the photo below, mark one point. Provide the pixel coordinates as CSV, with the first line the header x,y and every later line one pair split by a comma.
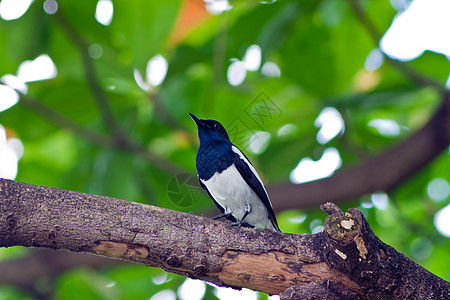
x,y
191,289
423,26
11,150
380,200
385,127
216,7
50,7
252,58
309,170
104,12
330,123
13,9
270,69
41,68
259,142
251,62
9,97
438,189
442,221
164,295
156,70
232,294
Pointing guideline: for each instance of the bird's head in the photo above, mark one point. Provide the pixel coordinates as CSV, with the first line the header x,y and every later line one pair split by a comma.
x,y
210,130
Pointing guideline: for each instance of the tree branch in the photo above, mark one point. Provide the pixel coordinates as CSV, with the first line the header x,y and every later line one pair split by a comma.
x,y
47,264
348,256
381,173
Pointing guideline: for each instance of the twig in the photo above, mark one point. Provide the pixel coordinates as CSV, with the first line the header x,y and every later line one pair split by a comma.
x,y
97,138
91,77
120,139
64,122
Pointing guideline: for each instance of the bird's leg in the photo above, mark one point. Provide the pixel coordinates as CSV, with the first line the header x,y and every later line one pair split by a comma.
x,y
221,216
248,209
226,213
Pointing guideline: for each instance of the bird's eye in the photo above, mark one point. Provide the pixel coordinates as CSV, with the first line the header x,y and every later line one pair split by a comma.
x,y
216,126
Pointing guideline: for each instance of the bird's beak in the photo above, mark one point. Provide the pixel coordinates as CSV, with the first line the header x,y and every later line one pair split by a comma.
x,y
196,120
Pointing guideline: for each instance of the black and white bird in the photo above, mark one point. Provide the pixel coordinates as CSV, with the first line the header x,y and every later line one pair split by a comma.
x,y
229,178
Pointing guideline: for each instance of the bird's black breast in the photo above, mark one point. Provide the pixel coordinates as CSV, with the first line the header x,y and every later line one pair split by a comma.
x,y
214,157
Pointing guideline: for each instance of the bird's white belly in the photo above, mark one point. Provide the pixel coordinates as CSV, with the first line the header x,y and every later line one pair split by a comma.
x,y
231,191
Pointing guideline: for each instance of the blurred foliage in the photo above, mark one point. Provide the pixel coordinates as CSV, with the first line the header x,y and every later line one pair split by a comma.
x,y
320,48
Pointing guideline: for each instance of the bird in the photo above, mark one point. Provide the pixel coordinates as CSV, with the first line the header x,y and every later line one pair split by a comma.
x,y
230,180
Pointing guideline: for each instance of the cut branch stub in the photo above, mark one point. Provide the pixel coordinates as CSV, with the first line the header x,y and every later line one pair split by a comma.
x,y
344,228
378,269
357,252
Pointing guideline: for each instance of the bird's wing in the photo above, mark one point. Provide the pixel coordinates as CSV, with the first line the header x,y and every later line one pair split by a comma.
x,y
250,176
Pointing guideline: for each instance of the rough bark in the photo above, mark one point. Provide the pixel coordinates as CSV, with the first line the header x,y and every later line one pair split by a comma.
x,y
346,259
